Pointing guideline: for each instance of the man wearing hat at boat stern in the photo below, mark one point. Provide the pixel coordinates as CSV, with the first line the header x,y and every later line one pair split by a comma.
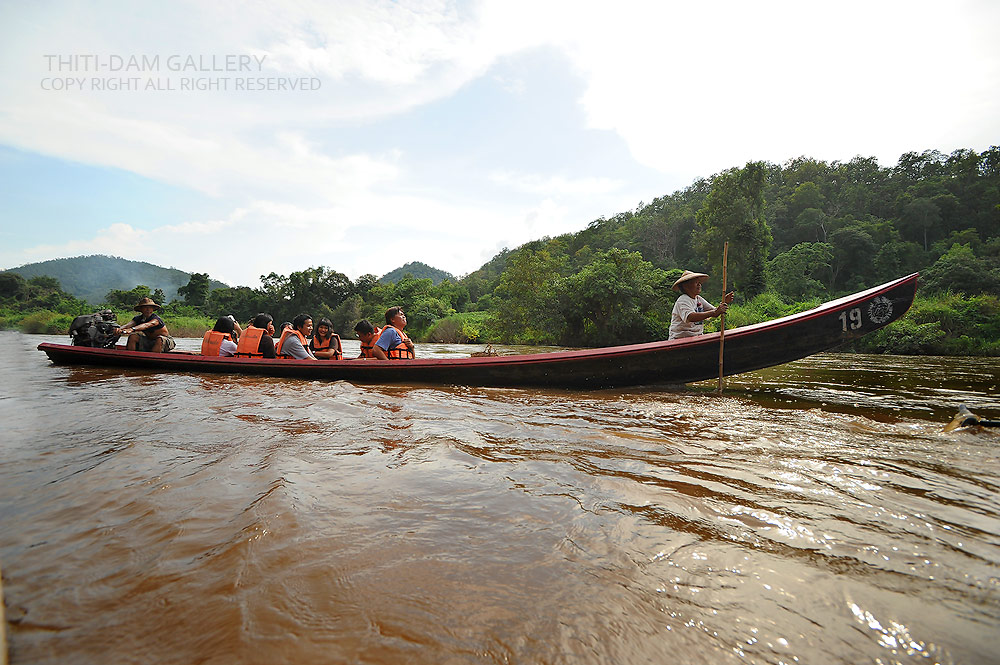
x,y
147,331
691,310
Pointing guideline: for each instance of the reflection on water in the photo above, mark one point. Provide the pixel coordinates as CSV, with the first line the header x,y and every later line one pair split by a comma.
x,y
813,513
882,386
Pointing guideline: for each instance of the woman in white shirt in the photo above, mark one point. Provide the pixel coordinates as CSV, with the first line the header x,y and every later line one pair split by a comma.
x,y
691,310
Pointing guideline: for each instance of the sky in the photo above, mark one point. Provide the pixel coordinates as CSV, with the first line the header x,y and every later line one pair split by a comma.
x,y
244,138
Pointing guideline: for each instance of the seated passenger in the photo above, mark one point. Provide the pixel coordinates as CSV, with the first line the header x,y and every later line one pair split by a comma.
x,y
368,334
325,344
691,310
393,344
219,340
257,341
293,340
147,331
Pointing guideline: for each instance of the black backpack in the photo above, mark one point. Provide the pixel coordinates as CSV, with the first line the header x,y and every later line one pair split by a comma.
x,y
98,330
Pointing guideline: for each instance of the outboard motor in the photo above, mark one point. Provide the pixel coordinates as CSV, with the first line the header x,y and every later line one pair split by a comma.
x,y
97,330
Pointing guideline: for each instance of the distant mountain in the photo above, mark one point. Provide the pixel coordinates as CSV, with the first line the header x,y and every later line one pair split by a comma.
x,y
91,277
418,270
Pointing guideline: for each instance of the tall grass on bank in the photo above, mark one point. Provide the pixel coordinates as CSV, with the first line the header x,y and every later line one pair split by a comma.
x,y
189,326
943,324
764,307
39,322
47,322
464,328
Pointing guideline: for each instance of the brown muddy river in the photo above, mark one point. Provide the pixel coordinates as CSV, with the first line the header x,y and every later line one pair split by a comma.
x,y
814,513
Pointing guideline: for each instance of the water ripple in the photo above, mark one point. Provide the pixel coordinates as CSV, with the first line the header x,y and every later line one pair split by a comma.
x,y
813,513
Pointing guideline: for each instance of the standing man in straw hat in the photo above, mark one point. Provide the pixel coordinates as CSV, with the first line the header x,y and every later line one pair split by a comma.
x,y
691,310
147,331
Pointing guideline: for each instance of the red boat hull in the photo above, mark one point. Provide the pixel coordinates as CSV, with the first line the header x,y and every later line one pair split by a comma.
x,y
668,362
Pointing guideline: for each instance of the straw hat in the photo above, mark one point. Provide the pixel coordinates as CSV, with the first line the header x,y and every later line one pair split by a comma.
x,y
146,302
685,276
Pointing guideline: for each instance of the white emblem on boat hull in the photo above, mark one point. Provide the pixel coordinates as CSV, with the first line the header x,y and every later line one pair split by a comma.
x,y
880,310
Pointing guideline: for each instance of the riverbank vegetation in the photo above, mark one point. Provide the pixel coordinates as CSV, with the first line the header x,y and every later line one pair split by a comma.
x,y
799,233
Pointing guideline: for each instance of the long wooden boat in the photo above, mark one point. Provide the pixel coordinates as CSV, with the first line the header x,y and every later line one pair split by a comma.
x,y
666,362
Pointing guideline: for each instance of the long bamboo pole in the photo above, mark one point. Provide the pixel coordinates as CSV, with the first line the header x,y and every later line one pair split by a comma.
x,y
3,627
722,317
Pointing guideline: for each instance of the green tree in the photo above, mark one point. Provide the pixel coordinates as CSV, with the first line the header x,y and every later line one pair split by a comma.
x,y
897,257
795,273
734,212
44,292
968,237
614,300
305,292
807,195
44,283
960,271
454,294
347,314
417,298
920,216
195,293
119,299
242,302
41,292
861,188
853,251
525,307
364,284
422,312
423,302
13,287
811,224
274,290
409,290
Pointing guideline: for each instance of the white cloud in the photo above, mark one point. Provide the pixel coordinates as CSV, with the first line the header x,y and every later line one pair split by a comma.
x,y
690,87
552,185
216,163
386,43
699,87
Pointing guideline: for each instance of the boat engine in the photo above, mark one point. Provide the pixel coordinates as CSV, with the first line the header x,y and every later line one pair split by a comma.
x,y
98,330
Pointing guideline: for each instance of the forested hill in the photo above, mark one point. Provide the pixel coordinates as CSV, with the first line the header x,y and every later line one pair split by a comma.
x,y
805,228
417,270
90,278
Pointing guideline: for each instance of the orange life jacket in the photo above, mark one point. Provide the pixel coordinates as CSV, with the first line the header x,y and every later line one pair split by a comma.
x,y
366,349
250,342
212,342
281,342
316,344
400,351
